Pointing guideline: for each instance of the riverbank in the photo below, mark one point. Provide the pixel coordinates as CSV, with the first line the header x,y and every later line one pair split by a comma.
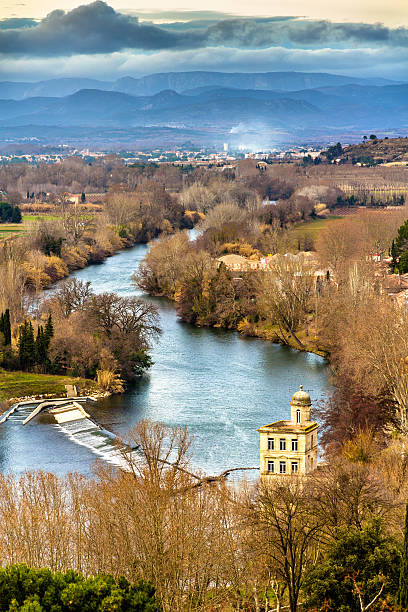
x,y
15,386
267,306
307,341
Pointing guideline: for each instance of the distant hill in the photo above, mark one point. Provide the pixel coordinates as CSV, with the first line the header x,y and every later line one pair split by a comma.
x,y
90,107
343,107
50,88
181,81
283,81
388,150
255,110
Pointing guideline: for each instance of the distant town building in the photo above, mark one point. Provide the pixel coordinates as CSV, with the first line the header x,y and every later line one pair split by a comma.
x,y
74,198
238,263
290,447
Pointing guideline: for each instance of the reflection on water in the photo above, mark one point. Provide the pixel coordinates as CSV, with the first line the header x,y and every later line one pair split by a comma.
x,y
222,386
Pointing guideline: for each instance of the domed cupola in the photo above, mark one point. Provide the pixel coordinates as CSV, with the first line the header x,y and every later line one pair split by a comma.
x,y
300,404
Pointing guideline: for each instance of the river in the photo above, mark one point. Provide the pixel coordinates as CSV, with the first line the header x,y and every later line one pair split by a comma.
x,y
220,385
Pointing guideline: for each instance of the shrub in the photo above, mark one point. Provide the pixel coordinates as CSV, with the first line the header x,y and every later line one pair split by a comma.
x,y
9,213
109,381
23,588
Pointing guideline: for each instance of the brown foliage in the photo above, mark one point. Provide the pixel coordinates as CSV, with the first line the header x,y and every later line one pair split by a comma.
x,y
206,546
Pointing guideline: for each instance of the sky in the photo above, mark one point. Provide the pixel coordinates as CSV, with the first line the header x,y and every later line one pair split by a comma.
x,y
40,40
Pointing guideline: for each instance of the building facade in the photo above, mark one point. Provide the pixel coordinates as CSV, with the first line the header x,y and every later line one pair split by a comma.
x,y
290,447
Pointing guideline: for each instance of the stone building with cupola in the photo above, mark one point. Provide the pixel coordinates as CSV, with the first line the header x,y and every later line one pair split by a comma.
x,y
290,447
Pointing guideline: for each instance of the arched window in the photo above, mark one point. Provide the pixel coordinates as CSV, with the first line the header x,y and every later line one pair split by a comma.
x,y
297,416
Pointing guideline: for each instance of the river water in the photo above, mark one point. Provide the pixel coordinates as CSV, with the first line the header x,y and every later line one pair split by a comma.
x,y
220,385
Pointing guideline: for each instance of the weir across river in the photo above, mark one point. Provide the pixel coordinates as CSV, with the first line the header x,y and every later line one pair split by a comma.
x,y
71,418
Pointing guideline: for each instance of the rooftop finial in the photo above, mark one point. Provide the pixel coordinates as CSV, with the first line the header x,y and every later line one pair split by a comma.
x,y
301,397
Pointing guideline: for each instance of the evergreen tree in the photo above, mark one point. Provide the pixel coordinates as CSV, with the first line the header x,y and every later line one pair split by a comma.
x,y
334,152
366,555
41,348
48,332
7,327
9,213
393,254
403,263
24,588
26,346
401,242
16,215
403,579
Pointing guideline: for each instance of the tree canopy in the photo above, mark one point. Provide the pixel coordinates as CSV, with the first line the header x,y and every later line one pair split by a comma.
x,y
23,589
359,563
9,213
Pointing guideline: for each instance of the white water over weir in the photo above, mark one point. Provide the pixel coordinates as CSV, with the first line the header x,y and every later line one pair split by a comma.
x,y
77,426
99,441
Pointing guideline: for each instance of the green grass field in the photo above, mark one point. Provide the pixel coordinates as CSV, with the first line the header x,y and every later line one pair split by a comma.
x,y
313,227
10,229
43,216
22,384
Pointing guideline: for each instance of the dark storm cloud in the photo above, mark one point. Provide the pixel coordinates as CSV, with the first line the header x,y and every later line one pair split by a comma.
x,y
189,20
97,28
262,33
93,28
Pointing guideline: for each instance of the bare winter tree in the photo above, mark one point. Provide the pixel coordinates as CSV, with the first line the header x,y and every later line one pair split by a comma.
x,y
72,294
285,294
291,531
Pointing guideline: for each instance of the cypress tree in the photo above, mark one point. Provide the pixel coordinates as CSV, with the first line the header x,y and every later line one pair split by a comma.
x,y
2,327
30,342
48,332
16,216
394,254
21,344
403,579
26,346
41,347
7,327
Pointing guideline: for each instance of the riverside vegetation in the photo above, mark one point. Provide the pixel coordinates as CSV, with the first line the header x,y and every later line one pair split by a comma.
x,y
111,350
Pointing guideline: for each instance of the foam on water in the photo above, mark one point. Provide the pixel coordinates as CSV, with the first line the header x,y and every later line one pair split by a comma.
x,y
86,433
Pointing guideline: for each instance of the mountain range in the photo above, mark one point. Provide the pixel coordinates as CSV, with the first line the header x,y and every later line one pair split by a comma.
x,y
180,81
217,103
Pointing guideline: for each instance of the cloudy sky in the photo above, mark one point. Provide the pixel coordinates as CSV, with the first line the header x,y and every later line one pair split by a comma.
x,y
107,41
